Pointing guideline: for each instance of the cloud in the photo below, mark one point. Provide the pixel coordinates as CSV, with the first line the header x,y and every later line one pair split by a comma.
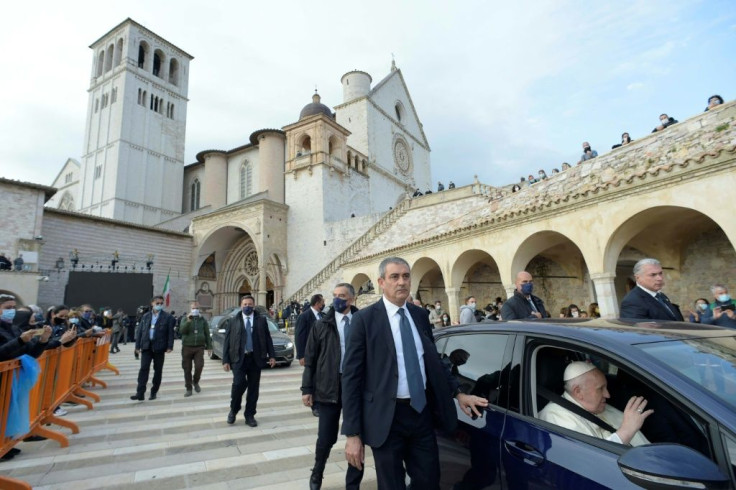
x,y
635,86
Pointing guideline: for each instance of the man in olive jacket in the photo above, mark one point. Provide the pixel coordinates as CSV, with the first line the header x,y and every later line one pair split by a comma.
x,y
321,379
195,338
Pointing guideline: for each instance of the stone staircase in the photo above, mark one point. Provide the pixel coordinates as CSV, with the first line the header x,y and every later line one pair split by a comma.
x,y
175,442
333,267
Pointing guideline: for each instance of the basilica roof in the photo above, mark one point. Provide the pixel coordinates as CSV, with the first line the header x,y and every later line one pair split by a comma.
x,y
316,107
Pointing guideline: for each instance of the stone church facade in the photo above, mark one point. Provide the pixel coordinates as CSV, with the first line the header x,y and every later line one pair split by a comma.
x,y
322,199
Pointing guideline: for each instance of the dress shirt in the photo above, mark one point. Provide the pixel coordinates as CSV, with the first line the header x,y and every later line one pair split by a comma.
x,y
247,318
317,313
341,330
395,321
653,294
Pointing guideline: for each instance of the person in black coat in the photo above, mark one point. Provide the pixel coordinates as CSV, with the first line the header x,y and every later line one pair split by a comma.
x,y
646,301
153,340
664,122
395,406
304,323
246,350
16,336
321,380
523,304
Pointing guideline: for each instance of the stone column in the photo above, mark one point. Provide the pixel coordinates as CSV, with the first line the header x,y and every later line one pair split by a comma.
x,y
453,303
605,291
261,294
510,288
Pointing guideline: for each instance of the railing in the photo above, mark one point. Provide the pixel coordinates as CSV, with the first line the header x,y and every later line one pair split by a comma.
x,y
379,227
63,372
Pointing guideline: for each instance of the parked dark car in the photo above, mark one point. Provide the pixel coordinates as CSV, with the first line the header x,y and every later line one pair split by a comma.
x,y
687,373
282,344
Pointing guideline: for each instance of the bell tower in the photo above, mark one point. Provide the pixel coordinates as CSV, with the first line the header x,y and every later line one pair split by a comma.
x,y
132,163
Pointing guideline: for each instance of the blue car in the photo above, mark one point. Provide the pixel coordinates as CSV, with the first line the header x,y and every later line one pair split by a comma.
x,y
687,373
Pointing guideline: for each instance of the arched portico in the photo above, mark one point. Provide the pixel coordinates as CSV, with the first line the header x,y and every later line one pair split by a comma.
x,y
473,273
428,282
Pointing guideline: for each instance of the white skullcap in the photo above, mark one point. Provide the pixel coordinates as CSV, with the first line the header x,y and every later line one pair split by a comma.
x,y
575,369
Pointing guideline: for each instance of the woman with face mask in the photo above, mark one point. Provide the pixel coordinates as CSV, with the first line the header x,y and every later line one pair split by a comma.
x,y
14,341
573,311
701,313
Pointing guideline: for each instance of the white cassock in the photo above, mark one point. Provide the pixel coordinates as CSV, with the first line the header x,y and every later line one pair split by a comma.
x,y
561,416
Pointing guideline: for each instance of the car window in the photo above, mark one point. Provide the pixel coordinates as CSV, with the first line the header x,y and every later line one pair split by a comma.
x,y
478,361
730,443
670,422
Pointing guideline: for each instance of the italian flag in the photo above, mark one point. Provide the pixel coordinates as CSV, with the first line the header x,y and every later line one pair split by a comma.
x,y
167,290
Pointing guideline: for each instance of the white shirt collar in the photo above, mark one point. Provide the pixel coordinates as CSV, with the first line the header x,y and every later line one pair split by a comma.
x,y
651,293
315,312
391,308
339,316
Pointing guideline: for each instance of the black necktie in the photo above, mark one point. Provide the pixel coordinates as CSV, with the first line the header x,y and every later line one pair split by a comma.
x,y
411,365
663,300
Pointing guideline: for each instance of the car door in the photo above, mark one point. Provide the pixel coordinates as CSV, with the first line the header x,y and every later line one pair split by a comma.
x,y
469,457
537,454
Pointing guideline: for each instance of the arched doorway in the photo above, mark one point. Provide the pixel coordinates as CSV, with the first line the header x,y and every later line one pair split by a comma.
x,y
428,283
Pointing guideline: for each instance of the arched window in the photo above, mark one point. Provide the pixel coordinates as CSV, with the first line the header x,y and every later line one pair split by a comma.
x,y
118,53
350,156
67,202
194,196
332,146
171,112
100,63
140,96
155,104
246,179
108,57
114,95
306,145
400,112
142,54
174,71
158,63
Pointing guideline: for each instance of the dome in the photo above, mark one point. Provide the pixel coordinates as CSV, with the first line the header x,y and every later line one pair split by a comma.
x,y
316,107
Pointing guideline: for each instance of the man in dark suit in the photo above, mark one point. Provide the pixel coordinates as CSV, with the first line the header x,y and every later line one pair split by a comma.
x,y
153,340
246,350
646,301
523,304
304,324
395,389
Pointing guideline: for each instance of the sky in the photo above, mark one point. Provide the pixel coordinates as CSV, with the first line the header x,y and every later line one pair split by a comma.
x,y
503,89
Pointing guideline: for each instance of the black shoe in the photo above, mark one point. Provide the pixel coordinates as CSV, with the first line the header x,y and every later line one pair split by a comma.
x,y
152,396
251,422
8,456
137,397
315,411
197,388
231,417
14,451
34,438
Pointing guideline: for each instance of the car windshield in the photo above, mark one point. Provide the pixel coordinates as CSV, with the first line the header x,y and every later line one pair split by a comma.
x,y
710,362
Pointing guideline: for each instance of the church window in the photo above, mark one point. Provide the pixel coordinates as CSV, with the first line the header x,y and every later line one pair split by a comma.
x,y
100,62
400,112
67,202
194,195
68,177
171,112
114,95
306,145
143,99
108,58
155,104
158,63
97,105
174,71
246,179
151,102
118,53
98,171
142,54
350,158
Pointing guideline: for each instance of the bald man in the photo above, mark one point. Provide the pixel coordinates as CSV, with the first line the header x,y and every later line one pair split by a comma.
x,y
523,304
585,386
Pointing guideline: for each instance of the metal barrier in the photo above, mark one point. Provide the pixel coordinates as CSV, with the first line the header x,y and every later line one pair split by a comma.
x,y
63,373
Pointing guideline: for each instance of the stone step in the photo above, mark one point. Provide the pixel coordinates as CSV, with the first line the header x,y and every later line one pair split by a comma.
x,y
176,442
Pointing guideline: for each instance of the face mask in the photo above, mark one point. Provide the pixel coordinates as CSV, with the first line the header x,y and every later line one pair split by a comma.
x,y
574,314
438,307
322,307
87,315
74,321
8,315
339,304
663,121
59,321
247,310
527,288
195,312
703,306
724,298
472,306
158,307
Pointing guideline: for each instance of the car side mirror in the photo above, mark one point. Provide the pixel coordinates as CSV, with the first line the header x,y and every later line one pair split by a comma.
x,y
670,465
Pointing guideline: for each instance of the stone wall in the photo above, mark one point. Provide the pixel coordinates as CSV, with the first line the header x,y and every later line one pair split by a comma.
x,y
96,239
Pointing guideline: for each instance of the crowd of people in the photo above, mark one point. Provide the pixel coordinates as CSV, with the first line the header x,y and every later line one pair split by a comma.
x,y
440,188
665,121
7,265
